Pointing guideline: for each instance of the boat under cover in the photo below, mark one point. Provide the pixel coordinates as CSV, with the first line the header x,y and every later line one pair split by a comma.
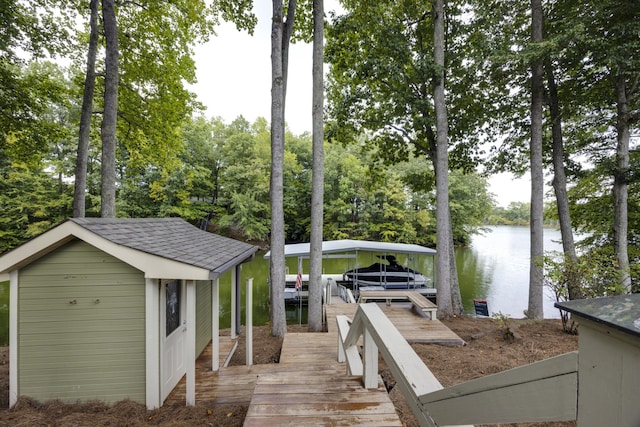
x,y
389,275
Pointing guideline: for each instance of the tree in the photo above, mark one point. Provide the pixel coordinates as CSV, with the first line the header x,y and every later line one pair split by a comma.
x,y
317,193
29,33
443,260
154,64
110,115
383,83
80,183
607,76
31,201
536,273
560,178
625,34
281,29
345,193
34,195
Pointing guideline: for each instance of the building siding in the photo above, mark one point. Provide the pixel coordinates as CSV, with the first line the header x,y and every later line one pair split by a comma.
x,y
203,315
81,327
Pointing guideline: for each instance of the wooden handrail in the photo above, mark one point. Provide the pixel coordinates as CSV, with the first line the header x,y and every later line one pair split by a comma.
x,y
545,390
411,374
541,391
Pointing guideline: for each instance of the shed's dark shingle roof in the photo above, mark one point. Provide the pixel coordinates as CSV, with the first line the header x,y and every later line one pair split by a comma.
x,y
171,238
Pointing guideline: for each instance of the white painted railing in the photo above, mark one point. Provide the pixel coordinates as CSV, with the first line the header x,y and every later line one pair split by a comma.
x,y
543,391
346,294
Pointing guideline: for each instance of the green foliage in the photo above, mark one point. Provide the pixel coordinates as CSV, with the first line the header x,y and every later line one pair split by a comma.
x,y
31,201
379,81
469,203
156,63
504,324
239,12
595,274
517,213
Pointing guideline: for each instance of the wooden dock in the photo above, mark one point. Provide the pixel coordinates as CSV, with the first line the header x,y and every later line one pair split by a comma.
x,y
414,327
309,386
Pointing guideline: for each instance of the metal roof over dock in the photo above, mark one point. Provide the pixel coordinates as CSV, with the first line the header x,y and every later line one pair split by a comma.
x,y
346,246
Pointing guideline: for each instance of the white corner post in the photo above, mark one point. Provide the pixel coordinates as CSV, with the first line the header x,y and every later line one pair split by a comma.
x,y
234,296
190,343
152,342
13,338
215,324
249,322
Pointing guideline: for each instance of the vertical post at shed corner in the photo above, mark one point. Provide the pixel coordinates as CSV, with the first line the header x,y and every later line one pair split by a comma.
x,y
13,338
234,296
249,322
190,355
238,287
215,324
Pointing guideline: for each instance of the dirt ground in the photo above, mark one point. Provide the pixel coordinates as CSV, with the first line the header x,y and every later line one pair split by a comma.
x,y
486,352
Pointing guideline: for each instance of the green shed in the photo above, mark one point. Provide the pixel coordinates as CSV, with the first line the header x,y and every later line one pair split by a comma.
x,y
111,308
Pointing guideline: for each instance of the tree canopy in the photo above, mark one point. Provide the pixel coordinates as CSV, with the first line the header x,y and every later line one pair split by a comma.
x,y
172,160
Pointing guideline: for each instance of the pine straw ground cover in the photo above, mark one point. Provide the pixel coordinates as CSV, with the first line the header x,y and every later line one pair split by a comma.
x,y
486,352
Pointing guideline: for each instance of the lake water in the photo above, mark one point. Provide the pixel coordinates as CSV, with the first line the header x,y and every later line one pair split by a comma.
x,y
495,267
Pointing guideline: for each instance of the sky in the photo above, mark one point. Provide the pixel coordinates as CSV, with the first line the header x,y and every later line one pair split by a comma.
x,y
234,78
234,74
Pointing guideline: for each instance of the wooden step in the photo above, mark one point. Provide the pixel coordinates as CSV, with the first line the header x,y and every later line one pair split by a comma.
x,y
324,398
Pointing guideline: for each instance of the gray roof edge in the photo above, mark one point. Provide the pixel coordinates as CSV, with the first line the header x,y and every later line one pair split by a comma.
x,y
247,255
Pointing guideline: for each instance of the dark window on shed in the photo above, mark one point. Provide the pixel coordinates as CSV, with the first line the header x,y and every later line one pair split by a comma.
x,y
173,305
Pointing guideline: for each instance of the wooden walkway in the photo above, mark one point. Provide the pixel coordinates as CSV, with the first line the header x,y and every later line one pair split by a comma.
x,y
414,327
309,386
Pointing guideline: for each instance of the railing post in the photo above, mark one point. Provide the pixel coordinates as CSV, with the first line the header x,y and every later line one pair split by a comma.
x,y
341,355
370,355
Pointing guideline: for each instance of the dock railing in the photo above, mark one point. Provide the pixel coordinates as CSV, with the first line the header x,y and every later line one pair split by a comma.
x,y
542,391
345,294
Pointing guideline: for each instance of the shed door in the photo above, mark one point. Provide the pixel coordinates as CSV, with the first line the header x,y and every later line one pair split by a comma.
x,y
173,335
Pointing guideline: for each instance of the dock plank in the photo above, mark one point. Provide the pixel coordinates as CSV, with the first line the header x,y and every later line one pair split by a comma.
x,y
372,420
414,327
293,398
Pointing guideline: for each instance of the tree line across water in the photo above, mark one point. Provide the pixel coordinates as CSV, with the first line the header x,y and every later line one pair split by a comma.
x,y
222,176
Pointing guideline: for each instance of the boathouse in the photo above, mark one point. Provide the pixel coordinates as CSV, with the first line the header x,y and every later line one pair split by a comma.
x,y
110,308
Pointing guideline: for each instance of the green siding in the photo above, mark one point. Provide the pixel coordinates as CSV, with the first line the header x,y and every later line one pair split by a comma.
x,y
203,315
81,327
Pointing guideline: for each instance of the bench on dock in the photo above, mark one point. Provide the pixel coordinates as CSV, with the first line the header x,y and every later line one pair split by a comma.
x,y
418,300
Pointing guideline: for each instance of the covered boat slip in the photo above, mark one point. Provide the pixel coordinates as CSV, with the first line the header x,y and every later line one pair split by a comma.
x,y
384,275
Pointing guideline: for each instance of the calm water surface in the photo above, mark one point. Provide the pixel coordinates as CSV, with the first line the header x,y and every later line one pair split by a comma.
x,y
495,267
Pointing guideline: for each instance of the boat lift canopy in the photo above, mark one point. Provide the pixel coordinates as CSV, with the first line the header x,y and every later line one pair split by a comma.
x,y
341,246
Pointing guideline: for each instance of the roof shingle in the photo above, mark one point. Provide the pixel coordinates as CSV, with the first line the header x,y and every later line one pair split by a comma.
x,y
171,238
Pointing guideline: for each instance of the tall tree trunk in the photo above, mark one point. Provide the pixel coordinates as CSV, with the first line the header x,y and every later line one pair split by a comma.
x,y
280,36
535,309
317,181
456,298
110,115
560,186
82,157
621,184
443,226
